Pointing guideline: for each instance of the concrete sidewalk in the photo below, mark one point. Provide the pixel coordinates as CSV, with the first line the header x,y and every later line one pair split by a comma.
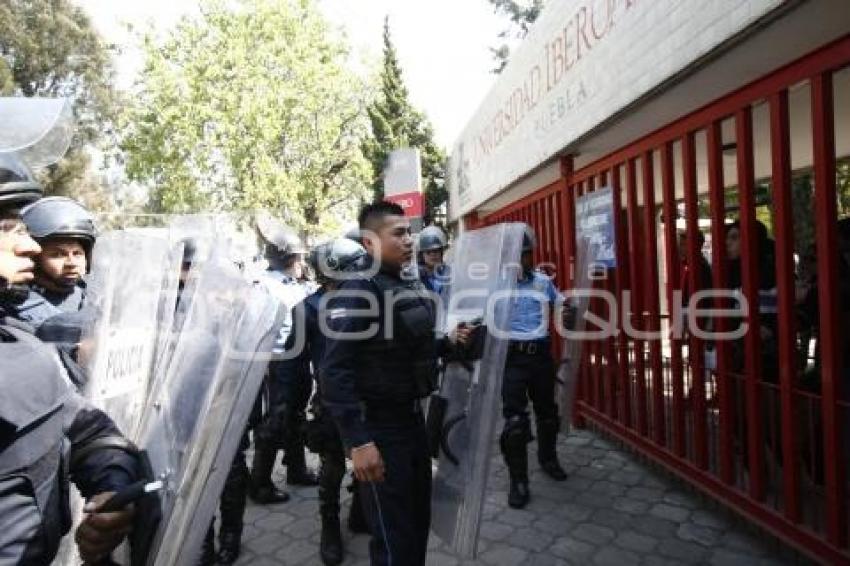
x,y
613,510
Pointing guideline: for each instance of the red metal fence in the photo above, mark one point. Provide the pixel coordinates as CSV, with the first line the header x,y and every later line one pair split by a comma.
x,y
761,423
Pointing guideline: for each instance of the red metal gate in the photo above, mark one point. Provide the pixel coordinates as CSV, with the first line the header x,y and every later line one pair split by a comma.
x,y
761,423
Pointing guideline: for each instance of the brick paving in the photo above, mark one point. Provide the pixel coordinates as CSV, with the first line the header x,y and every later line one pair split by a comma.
x,y
613,510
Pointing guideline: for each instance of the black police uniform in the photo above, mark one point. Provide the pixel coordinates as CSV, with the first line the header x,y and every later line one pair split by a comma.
x,y
48,432
372,388
322,436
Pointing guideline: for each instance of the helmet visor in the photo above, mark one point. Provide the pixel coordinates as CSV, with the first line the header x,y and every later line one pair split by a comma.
x,y
37,129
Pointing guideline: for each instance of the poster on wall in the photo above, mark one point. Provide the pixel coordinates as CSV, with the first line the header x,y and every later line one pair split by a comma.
x,y
595,224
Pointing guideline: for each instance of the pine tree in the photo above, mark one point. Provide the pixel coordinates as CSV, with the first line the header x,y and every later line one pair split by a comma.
x,y
396,123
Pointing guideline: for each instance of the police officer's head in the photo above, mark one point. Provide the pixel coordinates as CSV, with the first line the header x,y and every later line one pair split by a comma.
x,y
336,261
18,188
66,232
432,244
282,247
386,235
529,241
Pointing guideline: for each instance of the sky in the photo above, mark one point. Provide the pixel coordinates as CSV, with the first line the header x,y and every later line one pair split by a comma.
x,y
443,45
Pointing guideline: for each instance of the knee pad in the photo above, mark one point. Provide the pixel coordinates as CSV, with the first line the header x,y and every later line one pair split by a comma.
x,y
516,434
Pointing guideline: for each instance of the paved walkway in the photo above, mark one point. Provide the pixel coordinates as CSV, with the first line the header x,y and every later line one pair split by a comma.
x,y
613,510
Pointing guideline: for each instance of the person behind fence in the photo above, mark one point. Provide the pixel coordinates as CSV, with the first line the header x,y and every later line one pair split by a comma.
x,y
432,270
765,260
530,374
333,262
282,421
66,232
48,432
380,362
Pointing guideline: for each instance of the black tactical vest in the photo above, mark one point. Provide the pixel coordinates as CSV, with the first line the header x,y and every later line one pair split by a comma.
x,y
399,364
33,467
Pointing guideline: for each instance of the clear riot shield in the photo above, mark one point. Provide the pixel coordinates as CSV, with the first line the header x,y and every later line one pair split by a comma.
x,y
200,404
484,273
168,304
126,290
571,348
38,129
118,342
218,438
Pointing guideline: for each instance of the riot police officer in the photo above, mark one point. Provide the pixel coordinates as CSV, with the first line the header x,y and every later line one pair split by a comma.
x,y
378,364
41,416
530,374
333,262
286,406
432,271
66,232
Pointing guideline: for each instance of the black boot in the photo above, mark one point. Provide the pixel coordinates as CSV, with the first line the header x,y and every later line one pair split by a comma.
x,y
330,547
262,490
208,549
233,499
230,545
356,519
296,463
519,494
547,454
514,444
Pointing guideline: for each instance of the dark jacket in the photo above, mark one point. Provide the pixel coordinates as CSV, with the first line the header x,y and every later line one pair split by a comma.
x,y
392,362
48,435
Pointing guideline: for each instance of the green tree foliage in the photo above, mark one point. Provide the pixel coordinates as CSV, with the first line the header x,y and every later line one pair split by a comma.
x,y
250,106
396,123
521,15
49,48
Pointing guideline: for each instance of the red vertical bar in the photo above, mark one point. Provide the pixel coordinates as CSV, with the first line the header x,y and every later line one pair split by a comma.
x,y
557,239
749,269
717,196
559,226
695,353
538,231
611,365
568,214
593,345
637,308
780,142
826,214
621,274
671,250
651,297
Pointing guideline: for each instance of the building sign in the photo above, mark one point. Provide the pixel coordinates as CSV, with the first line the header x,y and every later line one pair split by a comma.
x,y
411,203
595,223
403,183
583,61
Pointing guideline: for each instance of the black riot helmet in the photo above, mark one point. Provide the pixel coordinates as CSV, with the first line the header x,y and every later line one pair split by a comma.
x,y
18,186
432,238
332,260
60,217
279,241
